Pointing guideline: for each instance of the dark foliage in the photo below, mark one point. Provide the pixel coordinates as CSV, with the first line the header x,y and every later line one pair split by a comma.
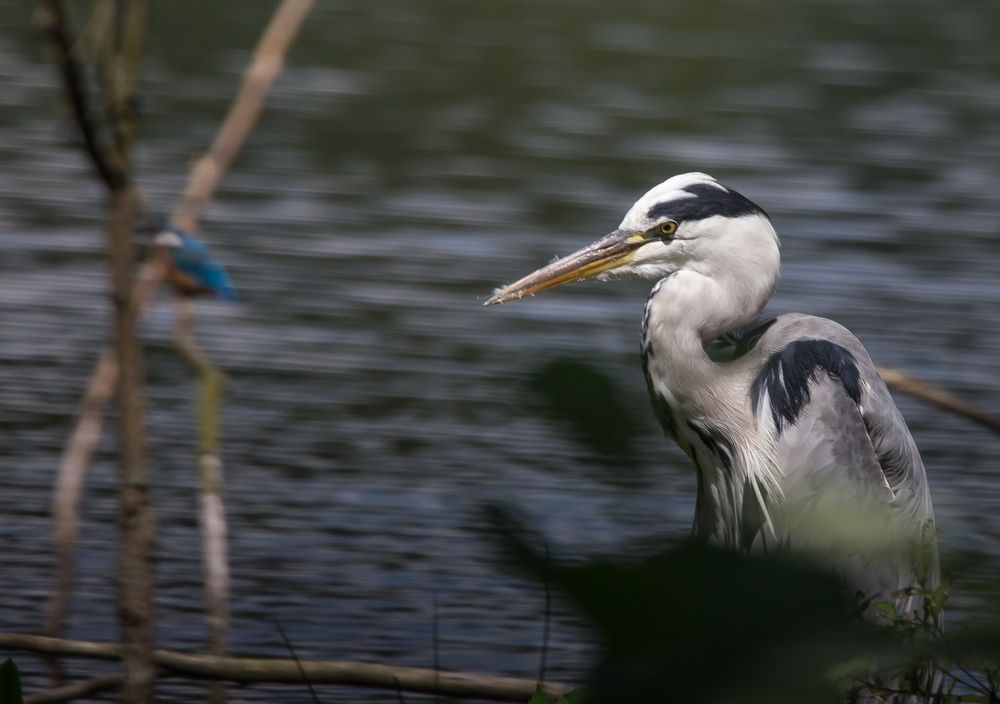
x,y
699,624
10,683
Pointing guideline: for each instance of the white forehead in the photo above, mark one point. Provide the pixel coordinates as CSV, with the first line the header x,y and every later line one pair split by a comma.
x,y
671,189
168,238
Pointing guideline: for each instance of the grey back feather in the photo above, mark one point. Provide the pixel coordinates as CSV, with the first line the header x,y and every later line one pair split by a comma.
x,y
847,438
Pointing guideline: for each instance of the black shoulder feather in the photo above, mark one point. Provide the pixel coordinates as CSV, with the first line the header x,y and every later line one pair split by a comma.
x,y
787,375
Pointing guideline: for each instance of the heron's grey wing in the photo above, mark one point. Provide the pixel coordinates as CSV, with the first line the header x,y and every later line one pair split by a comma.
x,y
829,445
802,349
838,436
834,493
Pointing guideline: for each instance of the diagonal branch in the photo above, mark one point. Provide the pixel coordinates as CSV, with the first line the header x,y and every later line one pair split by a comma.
x,y
75,691
901,381
267,62
343,672
74,82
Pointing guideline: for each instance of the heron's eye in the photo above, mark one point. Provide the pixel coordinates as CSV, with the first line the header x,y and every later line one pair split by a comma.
x,y
667,228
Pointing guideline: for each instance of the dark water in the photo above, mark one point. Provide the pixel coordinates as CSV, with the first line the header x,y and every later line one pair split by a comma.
x,y
415,155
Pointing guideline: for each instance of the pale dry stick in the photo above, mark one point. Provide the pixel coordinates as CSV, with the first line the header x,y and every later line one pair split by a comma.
x,y
265,65
901,381
76,691
202,183
341,672
54,18
113,164
212,511
69,488
185,340
125,75
138,525
75,462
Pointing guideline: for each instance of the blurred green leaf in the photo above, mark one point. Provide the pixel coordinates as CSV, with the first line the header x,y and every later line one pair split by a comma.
x,y
887,609
699,624
10,683
696,623
587,404
939,596
542,697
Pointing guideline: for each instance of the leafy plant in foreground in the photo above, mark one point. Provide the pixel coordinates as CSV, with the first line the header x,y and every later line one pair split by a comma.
x,y
10,683
703,625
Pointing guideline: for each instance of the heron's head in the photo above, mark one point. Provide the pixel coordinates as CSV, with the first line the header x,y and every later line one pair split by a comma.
x,y
690,221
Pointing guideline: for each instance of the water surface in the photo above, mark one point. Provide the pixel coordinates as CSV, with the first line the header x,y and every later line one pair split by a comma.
x,y
415,155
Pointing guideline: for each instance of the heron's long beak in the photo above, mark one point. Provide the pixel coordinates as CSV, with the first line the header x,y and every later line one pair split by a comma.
x,y
607,253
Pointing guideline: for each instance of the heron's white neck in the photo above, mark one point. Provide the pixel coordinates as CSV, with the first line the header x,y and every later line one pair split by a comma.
x,y
717,289
690,308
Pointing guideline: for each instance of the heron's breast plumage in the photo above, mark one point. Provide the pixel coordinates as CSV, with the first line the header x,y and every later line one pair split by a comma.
x,y
710,418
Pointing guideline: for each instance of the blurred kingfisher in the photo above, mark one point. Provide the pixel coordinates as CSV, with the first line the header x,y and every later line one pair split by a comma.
x,y
192,269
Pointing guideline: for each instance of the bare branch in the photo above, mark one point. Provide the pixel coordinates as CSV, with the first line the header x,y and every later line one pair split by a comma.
x,y
78,690
126,79
212,512
267,62
74,83
69,487
138,529
901,381
75,463
342,672
204,178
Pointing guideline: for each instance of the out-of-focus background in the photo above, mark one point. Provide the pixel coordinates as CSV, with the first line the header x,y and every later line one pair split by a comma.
x,y
415,154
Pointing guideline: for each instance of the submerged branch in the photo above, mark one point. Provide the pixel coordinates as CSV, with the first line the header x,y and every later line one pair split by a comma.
x,y
342,672
77,690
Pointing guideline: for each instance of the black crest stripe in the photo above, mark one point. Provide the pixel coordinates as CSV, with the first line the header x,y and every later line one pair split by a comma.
x,y
707,201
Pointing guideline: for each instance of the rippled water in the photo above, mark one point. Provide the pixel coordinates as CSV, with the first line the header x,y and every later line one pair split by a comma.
x,y
415,155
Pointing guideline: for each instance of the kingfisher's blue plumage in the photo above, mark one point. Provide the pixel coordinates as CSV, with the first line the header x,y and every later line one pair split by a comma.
x,y
194,270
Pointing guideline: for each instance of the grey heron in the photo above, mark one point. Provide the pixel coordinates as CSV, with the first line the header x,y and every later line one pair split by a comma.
x,y
770,409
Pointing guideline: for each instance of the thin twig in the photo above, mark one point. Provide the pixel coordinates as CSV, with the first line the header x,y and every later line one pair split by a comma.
x,y
342,672
203,180
901,381
138,528
435,644
399,693
77,690
75,463
546,626
125,87
69,490
102,28
75,86
975,685
212,511
267,62
295,656
135,597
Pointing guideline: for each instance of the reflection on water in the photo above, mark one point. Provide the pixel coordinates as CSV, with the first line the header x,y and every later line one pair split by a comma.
x,y
415,155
